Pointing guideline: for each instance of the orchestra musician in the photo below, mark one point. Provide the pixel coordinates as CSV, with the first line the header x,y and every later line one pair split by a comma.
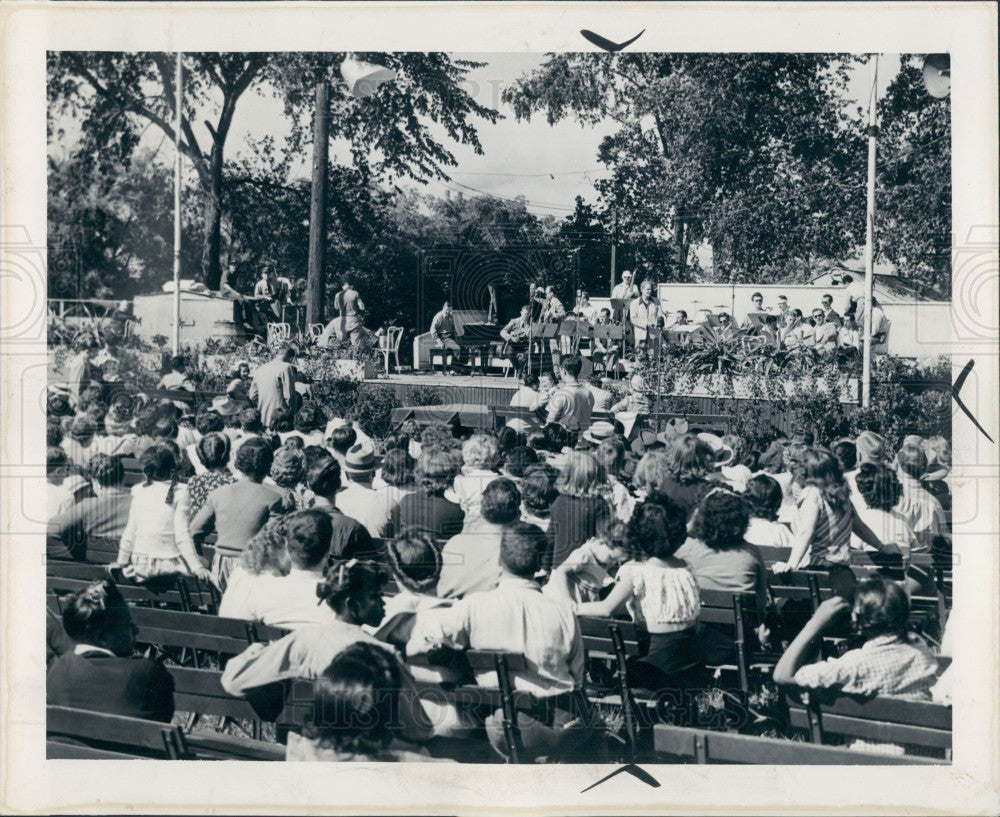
x,y
553,309
626,290
444,332
644,312
245,314
604,351
584,308
271,294
515,335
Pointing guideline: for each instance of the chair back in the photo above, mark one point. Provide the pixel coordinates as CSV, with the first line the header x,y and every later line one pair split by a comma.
x,y
277,332
150,739
701,746
883,719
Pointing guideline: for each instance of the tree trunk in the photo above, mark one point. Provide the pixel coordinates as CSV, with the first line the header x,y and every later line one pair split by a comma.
x,y
211,264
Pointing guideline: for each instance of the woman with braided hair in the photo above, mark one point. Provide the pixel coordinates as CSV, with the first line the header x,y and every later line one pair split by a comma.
x,y
352,589
156,538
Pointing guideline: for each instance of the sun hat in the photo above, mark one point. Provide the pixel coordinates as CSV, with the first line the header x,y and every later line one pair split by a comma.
x,y
360,459
675,427
599,431
723,453
225,405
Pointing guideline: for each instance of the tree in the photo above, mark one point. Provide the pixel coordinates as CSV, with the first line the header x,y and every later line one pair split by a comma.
x,y
110,229
116,95
741,150
913,189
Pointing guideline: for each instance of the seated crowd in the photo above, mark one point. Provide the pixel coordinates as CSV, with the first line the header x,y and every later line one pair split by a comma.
x,y
491,541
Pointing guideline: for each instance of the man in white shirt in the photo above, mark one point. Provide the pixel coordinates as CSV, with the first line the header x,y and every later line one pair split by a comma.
x,y
470,561
626,290
643,312
571,403
854,297
516,617
288,601
917,505
602,397
177,377
526,393
273,386
357,499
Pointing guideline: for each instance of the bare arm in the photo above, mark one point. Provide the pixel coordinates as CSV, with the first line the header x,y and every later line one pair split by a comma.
x,y
621,593
803,647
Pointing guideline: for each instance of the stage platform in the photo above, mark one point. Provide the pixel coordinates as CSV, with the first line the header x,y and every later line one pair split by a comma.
x,y
485,390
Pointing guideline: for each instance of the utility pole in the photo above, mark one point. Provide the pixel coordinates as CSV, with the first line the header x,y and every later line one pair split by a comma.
x,y
178,97
614,240
866,330
316,281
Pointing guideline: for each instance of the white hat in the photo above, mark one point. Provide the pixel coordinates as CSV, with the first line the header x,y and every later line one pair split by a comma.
x,y
723,453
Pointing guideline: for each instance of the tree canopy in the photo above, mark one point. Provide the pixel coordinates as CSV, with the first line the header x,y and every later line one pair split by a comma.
x,y
741,150
116,95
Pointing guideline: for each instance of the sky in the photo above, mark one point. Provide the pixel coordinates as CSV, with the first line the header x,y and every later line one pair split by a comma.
x,y
549,165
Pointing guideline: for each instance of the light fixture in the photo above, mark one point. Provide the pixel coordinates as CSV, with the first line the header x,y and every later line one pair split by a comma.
x,y
364,78
937,75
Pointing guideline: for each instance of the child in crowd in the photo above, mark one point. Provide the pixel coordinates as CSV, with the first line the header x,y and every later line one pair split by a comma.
x,y
763,494
479,455
888,663
585,573
355,712
657,589
156,538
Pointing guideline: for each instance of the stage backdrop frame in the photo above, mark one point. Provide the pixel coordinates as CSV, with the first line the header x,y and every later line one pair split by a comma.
x,y
462,275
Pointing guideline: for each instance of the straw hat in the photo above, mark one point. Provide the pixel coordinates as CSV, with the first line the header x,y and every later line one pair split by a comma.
x,y
360,459
225,405
599,431
723,453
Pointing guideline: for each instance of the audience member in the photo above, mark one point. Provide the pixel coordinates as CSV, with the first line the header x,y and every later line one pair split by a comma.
x,y
585,573
538,492
917,505
479,454
238,510
353,591
102,516
288,472
100,673
659,590
212,452
427,509
265,556
273,386
350,539
517,617
580,507
470,561
156,539
177,377
888,664
357,499
355,711
289,601
763,495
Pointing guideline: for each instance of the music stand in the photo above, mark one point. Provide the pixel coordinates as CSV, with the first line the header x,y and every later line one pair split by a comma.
x,y
619,307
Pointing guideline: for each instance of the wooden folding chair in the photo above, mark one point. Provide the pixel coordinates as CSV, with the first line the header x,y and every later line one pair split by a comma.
x,y
149,739
702,747
885,720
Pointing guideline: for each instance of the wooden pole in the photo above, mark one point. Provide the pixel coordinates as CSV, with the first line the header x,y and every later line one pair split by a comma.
x,y
866,330
316,282
178,97
614,246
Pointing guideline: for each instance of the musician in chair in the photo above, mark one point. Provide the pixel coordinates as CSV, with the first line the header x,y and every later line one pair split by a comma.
x,y
445,334
515,335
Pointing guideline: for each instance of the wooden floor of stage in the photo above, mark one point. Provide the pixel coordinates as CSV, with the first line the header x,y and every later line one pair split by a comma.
x,y
486,390
465,381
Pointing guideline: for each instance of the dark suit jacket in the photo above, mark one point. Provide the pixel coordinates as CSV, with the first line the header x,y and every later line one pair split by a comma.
x,y
135,687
